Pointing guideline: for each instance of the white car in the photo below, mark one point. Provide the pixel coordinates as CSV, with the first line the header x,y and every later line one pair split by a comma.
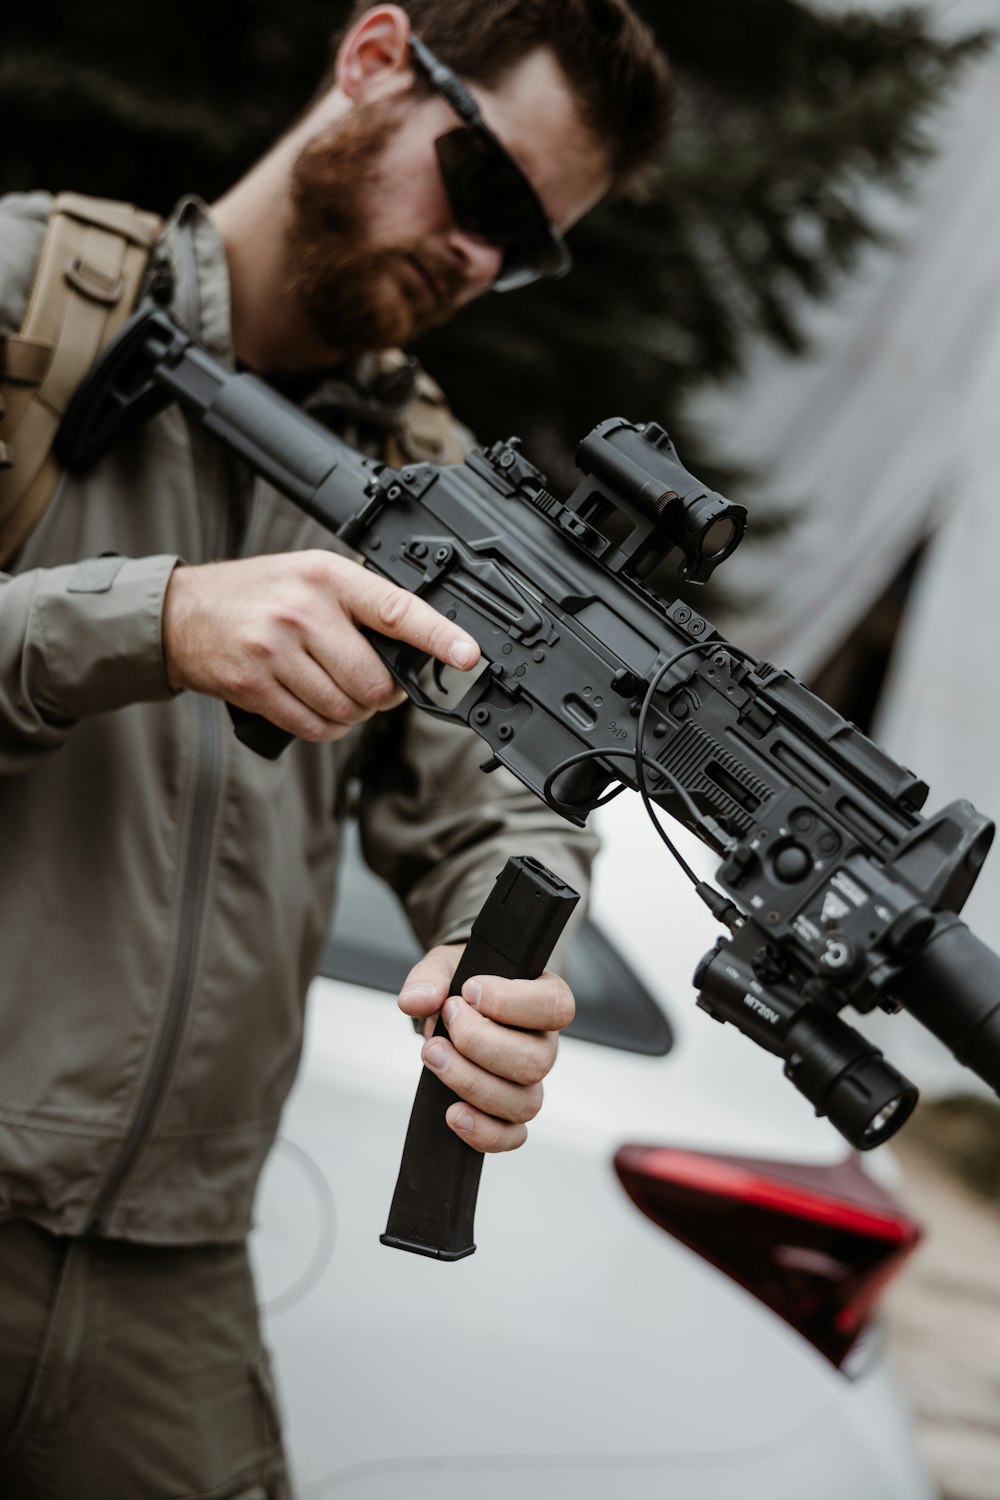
x,y
669,1276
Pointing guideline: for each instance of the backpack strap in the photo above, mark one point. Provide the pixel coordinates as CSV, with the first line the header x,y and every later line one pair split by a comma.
x,y
426,431
87,281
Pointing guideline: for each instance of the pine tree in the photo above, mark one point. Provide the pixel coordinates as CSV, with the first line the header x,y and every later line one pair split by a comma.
x,y
784,115
784,118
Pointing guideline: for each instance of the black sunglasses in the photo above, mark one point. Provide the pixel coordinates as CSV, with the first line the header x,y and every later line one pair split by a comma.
x,y
489,195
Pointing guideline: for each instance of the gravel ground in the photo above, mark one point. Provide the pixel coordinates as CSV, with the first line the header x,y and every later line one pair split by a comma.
x,y
944,1327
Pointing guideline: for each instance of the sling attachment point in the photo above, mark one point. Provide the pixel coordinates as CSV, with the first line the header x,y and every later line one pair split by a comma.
x,y
100,284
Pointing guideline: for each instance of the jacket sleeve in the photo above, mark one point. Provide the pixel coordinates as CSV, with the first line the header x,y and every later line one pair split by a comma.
x,y
78,639
23,217
440,831
74,641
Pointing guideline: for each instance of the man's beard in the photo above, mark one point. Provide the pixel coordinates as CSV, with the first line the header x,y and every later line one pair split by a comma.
x,y
351,292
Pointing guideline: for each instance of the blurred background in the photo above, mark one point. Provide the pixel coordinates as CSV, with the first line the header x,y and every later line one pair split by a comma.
x,y
809,298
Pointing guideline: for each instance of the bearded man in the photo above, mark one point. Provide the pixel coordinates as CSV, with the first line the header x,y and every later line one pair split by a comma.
x,y
165,891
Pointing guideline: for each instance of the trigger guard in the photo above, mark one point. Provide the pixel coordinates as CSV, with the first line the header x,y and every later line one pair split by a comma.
x,y
406,663
406,669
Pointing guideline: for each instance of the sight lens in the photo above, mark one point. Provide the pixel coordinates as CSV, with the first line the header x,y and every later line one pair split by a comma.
x,y
718,538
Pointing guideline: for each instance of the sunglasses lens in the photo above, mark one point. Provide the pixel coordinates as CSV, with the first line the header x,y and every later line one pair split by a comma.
x,y
486,192
490,197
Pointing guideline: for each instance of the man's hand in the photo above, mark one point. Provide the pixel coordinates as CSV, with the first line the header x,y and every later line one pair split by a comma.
x,y
498,1071
280,636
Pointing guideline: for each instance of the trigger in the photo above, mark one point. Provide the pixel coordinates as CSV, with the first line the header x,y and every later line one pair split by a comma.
x,y
439,668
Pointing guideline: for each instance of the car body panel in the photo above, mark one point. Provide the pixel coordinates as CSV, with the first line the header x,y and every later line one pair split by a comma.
x,y
582,1349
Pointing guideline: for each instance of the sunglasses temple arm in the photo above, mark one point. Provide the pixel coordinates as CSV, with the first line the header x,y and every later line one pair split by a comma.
x,y
448,84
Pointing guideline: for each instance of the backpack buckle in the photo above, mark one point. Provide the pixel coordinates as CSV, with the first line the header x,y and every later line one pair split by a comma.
x,y
94,281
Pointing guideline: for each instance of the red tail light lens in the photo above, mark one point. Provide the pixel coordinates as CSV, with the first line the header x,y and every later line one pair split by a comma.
x,y
816,1244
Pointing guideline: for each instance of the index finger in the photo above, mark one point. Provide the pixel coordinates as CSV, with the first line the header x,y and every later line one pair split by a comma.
x,y
394,612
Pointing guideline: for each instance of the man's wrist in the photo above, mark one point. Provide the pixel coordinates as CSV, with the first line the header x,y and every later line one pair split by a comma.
x,y
176,601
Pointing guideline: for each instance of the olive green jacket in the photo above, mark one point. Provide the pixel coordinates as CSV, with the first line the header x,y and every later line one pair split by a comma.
x,y
164,892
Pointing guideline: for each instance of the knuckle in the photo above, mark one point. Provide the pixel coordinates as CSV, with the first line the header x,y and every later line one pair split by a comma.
x,y
435,629
292,616
509,1139
393,609
343,711
459,1031
314,730
528,1104
260,651
563,1008
244,682
563,1013
536,1068
495,999
493,1136
377,693
329,700
317,567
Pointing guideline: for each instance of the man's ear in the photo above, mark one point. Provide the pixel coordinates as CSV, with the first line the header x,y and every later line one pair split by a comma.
x,y
374,56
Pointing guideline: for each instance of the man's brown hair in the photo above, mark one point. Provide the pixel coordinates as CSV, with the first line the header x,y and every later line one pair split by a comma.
x,y
619,76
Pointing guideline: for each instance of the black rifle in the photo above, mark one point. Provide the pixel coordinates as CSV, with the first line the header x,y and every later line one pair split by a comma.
x,y
834,888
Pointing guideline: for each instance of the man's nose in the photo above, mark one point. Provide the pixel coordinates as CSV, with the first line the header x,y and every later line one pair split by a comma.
x,y
479,261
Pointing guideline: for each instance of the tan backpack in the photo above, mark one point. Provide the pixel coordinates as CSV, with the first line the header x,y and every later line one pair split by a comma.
x,y
87,281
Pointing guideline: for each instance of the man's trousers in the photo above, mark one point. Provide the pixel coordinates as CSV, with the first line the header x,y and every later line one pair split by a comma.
x,y
132,1372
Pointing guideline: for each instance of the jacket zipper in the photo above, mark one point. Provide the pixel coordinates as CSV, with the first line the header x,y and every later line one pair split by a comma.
x,y
196,867
201,825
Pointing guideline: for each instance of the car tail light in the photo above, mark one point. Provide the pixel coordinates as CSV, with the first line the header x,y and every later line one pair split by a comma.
x,y
816,1244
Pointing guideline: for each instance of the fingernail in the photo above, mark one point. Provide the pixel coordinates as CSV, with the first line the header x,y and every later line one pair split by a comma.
x,y
472,991
436,1056
461,652
464,1121
450,1010
416,992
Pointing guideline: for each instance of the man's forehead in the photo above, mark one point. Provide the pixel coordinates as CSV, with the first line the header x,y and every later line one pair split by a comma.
x,y
535,113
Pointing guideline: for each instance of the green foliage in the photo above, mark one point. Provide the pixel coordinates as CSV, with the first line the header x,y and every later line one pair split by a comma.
x,y
784,114
784,118
962,1134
